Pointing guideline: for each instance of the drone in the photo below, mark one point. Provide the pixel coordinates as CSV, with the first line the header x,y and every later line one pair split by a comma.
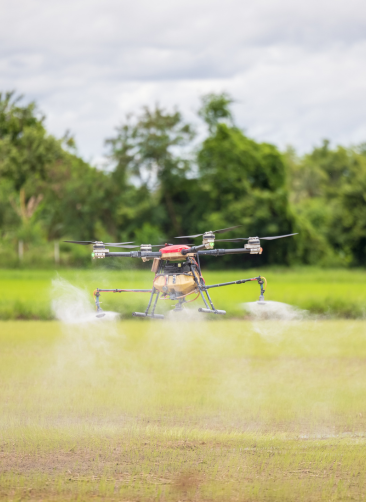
x,y
177,269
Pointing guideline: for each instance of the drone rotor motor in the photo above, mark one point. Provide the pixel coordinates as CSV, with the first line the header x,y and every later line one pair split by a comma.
x,y
99,250
208,240
253,245
146,248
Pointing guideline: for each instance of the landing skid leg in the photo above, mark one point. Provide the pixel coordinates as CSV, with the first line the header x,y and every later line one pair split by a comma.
x,y
204,300
155,302
209,299
150,300
209,310
146,313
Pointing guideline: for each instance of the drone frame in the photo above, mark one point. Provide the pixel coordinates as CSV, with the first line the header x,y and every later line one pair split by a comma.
x,y
165,265
187,253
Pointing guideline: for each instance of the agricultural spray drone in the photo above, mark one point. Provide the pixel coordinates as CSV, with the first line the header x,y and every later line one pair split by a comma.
x,y
177,269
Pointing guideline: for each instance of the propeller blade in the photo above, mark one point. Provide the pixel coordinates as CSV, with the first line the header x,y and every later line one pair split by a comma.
x,y
120,245
221,231
188,236
127,246
276,237
138,246
239,239
226,229
111,244
164,245
116,244
83,243
161,245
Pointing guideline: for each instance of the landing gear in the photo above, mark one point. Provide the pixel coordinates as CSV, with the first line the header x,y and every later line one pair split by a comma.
x,y
192,270
209,310
146,313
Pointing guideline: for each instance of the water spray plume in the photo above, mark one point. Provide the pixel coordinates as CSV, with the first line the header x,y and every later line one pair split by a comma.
x,y
72,305
270,310
85,336
271,319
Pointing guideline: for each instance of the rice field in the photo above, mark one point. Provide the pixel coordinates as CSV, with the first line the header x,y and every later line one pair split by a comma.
x,y
326,293
241,410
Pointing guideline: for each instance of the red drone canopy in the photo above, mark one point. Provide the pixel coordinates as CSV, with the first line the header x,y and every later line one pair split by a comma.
x,y
177,248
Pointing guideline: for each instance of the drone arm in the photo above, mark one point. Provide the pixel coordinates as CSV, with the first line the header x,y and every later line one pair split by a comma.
x,y
193,249
135,254
221,252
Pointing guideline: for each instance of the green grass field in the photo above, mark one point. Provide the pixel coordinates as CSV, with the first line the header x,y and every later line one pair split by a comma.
x,y
135,411
331,293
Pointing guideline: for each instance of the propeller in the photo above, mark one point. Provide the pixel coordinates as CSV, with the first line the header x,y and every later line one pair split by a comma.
x,y
221,231
126,245
239,239
111,244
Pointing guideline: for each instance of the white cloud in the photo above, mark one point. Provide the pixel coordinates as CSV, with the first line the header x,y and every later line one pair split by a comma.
x,y
296,69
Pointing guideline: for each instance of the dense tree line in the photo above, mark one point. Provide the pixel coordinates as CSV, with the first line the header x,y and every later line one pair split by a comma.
x,y
161,183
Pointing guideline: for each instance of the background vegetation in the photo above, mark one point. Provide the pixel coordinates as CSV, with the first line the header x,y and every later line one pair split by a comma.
x,y
329,294
161,182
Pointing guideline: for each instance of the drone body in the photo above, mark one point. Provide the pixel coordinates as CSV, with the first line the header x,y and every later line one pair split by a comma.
x,y
177,270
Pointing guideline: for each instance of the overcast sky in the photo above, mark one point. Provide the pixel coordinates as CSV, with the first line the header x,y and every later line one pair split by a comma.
x,y
296,69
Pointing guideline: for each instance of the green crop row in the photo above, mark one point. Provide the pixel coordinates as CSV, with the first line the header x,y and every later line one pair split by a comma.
x,y
28,294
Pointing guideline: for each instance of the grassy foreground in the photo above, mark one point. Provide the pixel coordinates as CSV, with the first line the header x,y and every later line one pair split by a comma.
x,y
235,410
333,293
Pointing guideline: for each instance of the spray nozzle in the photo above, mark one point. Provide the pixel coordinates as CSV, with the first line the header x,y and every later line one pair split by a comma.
x,y
100,312
261,281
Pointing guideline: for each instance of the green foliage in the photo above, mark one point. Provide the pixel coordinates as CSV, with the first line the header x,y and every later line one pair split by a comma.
x,y
245,183
48,192
149,148
161,184
235,165
216,108
25,148
78,201
327,191
349,230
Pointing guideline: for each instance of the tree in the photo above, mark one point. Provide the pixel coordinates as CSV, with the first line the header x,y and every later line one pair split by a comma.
x,y
78,201
347,231
327,192
150,149
26,152
49,190
215,109
245,181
